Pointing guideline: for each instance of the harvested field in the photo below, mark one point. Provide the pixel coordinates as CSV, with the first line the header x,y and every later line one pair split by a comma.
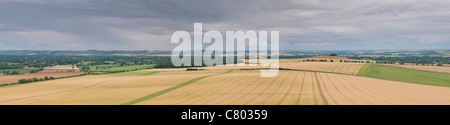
x,y
96,89
353,90
426,68
344,68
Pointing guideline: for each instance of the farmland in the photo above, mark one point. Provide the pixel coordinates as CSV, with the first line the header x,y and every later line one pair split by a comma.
x,y
222,87
298,64
426,68
363,70
20,71
409,75
246,87
335,67
345,89
300,88
56,72
118,69
299,82
96,89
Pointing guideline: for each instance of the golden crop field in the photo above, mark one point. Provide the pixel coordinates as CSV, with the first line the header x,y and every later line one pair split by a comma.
x,y
222,87
55,71
349,90
246,87
426,68
334,67
95,89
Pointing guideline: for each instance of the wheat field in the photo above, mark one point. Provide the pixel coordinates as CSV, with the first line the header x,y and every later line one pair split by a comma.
x,y
244,87
221,87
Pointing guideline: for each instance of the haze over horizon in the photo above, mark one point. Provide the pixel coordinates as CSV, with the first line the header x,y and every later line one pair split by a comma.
x,y
148,25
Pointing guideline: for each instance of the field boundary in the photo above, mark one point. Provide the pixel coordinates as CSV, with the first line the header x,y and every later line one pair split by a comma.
x,y
134,73
156,94
363,70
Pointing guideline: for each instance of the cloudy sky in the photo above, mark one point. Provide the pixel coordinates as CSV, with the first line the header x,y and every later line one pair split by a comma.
x,y
148,25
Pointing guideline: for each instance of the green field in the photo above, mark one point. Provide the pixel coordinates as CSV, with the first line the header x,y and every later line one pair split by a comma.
x,y
123,68
409,75
362,71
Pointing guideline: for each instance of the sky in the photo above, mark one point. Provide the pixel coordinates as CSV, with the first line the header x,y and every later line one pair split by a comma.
x,y
149,24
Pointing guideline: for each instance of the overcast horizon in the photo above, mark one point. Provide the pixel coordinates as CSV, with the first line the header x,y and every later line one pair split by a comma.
x,y
148,25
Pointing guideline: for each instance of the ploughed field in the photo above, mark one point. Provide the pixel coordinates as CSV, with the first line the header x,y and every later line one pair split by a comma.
x,y
230,86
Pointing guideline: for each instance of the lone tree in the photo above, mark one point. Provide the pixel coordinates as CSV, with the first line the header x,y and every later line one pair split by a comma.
x,y
333,54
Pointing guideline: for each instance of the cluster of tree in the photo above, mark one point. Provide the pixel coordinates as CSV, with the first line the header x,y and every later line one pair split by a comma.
x,y
12,66
35,79
40,61
10,72
431,60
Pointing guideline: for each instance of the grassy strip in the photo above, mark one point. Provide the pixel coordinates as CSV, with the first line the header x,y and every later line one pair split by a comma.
x,y
170,89
409,75
363,70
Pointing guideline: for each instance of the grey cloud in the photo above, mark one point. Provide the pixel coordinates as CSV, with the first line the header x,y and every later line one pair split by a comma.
x,y
148,24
